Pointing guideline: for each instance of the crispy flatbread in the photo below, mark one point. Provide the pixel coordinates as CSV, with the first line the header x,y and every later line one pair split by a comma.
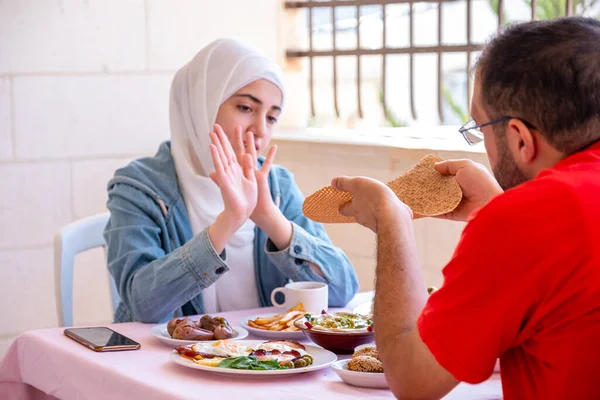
x,y
427,192
324,206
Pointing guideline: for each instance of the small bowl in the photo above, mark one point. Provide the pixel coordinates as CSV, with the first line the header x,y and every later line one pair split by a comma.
x,y
373,380
339,342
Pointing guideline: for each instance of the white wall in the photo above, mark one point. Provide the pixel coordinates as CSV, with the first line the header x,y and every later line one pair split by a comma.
x,y
83,90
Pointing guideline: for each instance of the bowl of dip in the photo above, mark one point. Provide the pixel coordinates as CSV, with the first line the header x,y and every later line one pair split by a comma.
x,y
339,332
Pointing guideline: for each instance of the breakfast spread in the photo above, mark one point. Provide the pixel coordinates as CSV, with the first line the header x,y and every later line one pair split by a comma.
x,y
280,322
269,355
366,359
207,328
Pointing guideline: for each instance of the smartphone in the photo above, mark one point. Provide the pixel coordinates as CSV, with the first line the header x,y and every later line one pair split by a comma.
x,y
101,338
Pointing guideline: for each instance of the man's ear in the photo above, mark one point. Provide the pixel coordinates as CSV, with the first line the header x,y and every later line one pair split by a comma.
x,y
521,141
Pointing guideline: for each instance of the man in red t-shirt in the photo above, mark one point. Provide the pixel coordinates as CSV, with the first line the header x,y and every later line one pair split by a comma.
x,y
523,284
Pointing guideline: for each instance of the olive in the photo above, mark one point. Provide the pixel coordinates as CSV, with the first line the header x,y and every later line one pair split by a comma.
x,y
300,363
431,289
308,358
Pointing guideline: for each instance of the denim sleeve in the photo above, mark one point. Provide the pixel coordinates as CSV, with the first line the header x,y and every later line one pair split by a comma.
x,y
152,284
310,244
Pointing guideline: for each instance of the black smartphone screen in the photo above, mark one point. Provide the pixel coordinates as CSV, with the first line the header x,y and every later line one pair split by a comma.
x,y
102,337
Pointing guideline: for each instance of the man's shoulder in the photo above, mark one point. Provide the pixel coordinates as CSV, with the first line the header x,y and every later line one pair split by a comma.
x,y
549,196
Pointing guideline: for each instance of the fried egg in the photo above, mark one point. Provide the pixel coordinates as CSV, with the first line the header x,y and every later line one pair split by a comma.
x,y
278,346
222,348
219,351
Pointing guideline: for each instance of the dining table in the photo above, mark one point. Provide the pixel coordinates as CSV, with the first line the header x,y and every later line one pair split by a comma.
x,y
45,364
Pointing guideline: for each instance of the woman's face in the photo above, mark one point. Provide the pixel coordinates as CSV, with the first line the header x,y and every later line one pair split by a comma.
x,y
256,108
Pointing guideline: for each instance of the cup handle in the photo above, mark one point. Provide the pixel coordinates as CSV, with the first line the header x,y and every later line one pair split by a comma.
x,y
273,293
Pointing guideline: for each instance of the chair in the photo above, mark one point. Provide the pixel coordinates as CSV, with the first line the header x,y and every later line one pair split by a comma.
x,y
75,238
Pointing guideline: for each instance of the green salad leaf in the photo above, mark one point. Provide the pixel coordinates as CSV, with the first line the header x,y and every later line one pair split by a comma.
x,y
248,362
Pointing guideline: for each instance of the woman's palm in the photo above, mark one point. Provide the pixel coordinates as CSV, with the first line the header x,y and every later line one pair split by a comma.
x,y
237,182
239,193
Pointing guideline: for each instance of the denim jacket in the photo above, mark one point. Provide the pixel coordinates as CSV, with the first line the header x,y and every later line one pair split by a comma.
x,y
158,265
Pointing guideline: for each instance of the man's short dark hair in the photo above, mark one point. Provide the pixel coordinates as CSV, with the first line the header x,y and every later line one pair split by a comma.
x,y
546,73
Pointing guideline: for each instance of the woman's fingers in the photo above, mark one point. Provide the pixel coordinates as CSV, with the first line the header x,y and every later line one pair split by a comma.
x,y
220,154
266,167
238,144
219,170
248,167
226,145
251,146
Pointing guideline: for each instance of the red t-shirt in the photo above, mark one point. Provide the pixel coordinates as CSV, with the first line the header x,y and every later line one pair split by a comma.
x,y
523,285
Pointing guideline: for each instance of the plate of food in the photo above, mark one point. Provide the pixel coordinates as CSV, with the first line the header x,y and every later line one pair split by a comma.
x,y
253,357
364,369
276,325
188,330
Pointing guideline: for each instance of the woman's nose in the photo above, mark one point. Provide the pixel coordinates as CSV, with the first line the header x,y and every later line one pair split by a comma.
x,y
259,128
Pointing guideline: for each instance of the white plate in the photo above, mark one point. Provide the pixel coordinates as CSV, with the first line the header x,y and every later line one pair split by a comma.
x,y
161,332
374,380
321,359
289,335
364,309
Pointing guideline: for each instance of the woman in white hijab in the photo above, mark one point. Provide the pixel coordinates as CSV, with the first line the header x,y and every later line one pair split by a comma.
x,y
204,227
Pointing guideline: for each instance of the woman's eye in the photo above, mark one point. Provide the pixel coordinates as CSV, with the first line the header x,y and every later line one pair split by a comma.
x,y
272,120
244,108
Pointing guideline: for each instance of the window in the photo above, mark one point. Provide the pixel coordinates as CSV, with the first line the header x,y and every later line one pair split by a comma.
x,y
401,62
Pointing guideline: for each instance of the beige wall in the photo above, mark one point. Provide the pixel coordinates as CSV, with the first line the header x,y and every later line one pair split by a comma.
x,y
84,89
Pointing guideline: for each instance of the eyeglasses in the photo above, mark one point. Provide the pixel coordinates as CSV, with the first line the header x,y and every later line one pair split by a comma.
x,y
473,134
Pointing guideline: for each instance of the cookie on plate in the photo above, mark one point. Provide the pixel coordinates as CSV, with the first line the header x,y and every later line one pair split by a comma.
x,y
370,351
365,364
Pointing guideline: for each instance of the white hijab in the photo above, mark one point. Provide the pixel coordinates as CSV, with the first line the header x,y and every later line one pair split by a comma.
x,y
199,88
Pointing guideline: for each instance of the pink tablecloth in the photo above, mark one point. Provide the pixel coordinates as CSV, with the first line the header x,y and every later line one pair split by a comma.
x,y
44,363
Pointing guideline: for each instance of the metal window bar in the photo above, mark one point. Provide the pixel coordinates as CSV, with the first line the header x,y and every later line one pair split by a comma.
x,y
469,47
411,67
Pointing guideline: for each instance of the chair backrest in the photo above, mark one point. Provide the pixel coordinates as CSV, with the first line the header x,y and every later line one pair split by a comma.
x,y
75,238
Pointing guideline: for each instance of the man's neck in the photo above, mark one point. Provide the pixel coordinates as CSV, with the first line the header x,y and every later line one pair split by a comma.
x,y
548,157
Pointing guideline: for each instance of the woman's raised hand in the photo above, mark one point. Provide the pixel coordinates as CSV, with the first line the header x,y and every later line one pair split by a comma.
x,y
235,177
243,148
266,215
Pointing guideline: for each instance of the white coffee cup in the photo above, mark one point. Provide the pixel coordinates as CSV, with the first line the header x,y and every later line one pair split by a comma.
x,y
314,296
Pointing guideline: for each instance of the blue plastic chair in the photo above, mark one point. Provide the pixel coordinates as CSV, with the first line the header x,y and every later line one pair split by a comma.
x,y
75,238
